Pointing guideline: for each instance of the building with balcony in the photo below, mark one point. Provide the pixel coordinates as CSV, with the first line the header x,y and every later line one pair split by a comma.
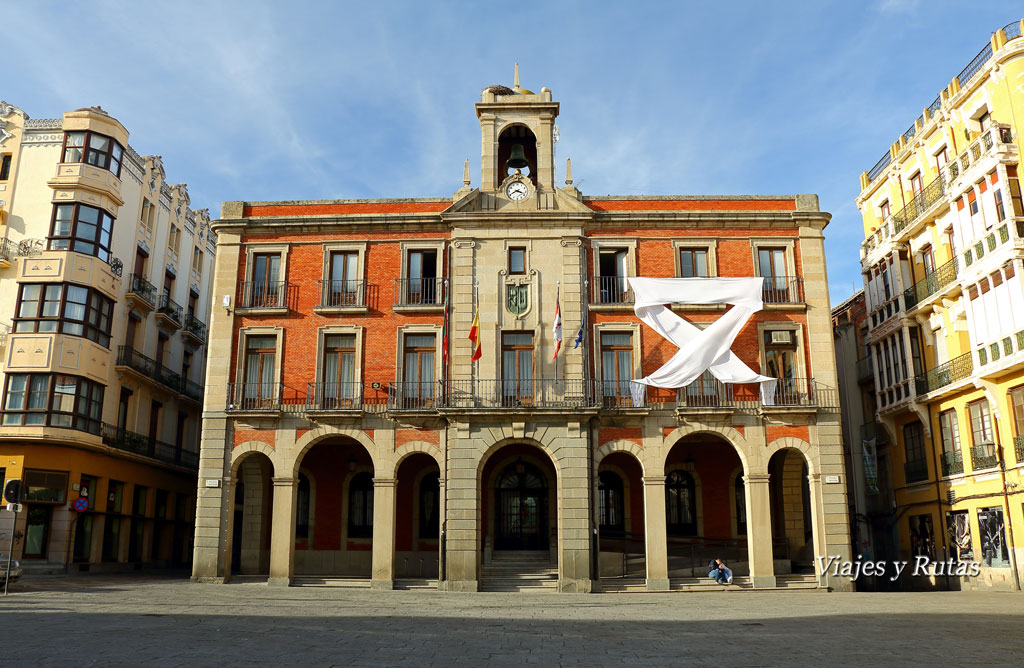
x,y
353,430
942,263
104,301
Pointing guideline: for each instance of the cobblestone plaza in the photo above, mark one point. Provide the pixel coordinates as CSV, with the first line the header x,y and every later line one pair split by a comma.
x,y
127,620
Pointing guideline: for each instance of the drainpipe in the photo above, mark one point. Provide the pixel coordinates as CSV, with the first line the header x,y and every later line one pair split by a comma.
x,y
1006,506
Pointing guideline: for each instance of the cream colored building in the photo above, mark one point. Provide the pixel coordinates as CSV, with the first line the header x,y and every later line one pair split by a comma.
x,y
104,299
349,434
944,227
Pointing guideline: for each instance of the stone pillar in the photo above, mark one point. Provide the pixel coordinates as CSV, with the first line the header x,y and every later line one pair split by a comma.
x,y
759,530
462,505
282,533
383,533
574,523
655,533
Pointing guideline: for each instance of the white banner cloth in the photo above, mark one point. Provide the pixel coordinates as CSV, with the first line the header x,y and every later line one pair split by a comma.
x,y
699,350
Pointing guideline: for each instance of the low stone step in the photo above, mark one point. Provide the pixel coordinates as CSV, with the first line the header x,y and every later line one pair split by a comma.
x,y
408,584
330,581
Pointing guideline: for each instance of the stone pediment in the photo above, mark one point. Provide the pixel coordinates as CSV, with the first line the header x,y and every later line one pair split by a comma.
x,y
560,202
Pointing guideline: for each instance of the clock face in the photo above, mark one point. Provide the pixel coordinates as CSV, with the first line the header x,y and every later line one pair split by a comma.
x,y
517,191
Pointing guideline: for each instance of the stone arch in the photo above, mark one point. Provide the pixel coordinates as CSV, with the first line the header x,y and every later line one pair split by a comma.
x,y
732,436
323,432
629,447
496,446
791,442
406,450
243,451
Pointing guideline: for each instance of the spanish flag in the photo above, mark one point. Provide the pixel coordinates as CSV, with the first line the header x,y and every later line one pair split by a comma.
x,y
474,333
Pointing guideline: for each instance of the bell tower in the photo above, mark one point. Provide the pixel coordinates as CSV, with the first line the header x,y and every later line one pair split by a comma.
x,y
517,133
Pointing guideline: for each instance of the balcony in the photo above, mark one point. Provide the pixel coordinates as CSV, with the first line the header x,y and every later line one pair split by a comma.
x,y
255,397
952,371
141,293
707,392
139,444
419,294
983,456
168,312
334,397
995,137
865,370
8,251
930,284
1018,448
610,291
193,391
418,396
342,295
795,392
263,296
783,290
915,471
952,463
148,368
921,203
517,394
195,328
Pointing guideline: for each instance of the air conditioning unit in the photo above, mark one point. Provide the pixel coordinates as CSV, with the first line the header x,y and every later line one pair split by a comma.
x,y
782,337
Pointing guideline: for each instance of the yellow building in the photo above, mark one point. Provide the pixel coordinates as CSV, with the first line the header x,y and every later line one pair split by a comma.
x,y
104,295
944,282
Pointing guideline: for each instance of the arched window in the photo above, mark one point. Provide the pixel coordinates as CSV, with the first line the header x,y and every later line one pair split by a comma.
x,y
360,506
681,504
302,509
430,515
610,503
741,505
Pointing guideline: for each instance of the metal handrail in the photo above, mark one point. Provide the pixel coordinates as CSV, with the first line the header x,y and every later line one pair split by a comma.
x,y
415,396
882,163
149,367
955,369
419,291
1018,448
346,293
706,392
795,392
919,204
610,290
518,393
147,446
169,307
191,390
254,397
952,463
930,284
195,326
8,250
783,290
262,294
334,396
983,456
973,67
138,285
1012,30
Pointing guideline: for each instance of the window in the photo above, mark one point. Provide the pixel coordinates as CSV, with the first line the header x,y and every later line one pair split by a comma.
x,y
617,367
70,309
45,486
197,262
418,370
972,202
94,149
430,504
360,506
611,279
1000,208
81,228
1017,406
343,289
186,364
517,368
949,431
922,536
771,263
422,286
340,390
260,356
981,423
5,167
941,158
174,239
147,215
913,443
302,508
916,185
928,259
693,262
56,400
958,529
681,504
517,260
265,289
992,533
884,211
780,353
610,504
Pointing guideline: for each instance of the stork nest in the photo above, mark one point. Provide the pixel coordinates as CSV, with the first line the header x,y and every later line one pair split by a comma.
x,y
501,90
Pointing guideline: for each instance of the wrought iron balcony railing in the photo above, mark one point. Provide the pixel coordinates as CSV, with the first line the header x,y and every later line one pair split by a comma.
x,y
1018,448
192,390
262,294
149,367
419,291
169,308
952,463
783,290
140,444
415,396
955,369
983,456
915,471
930,284
795,392
255,397
342,294
610,290
880,166
116,266
973,67
919,204
334,396
195,327
705,392
140,287
517,393
619,394
8,250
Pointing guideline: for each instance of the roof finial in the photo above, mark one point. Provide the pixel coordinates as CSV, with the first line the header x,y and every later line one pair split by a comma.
x,y
465,173
515,83
568,171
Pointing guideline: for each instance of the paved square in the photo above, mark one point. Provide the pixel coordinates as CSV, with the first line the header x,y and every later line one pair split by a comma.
x,y
132,620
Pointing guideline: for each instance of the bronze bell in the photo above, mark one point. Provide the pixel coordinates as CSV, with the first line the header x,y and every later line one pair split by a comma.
x,y
517,159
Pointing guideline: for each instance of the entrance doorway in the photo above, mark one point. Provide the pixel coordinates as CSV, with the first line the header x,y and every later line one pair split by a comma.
x,y
521,508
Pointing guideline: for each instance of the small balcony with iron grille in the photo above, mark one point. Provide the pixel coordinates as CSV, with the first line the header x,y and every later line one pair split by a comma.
x,y
937,283
344,296
265,297
609,293
983,456
944,377
169,312
256,397
140,293
419,294
1018,448
334,397
146,446
513,395
194,329
783,291
952,463
706,399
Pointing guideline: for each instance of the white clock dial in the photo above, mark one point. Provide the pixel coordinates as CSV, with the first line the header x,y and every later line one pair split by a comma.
x,y
517,191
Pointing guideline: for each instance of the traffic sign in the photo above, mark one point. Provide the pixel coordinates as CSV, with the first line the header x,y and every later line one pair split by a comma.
x,y
81,504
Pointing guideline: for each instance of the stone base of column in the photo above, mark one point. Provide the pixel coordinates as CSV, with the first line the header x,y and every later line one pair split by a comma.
x,y
763,581
383,585
658,584
459,585
207,579
571,586
279,582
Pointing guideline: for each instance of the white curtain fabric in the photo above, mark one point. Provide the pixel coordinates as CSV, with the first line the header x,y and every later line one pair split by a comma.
x,y
699,350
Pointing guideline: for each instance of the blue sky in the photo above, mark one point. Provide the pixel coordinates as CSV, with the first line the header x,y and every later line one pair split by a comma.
x,y
302,100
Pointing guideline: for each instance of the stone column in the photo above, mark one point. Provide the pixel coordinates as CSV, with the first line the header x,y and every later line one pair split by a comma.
x,y
462,505
656,536
574,524
759,530
383,533
282,533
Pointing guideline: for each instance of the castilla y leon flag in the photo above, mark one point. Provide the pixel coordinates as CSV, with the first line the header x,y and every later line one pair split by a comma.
x,y
556,330
474,333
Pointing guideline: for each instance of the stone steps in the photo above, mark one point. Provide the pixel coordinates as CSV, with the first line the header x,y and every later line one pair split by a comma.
x,y
330,581
739,583
519,572
410,584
